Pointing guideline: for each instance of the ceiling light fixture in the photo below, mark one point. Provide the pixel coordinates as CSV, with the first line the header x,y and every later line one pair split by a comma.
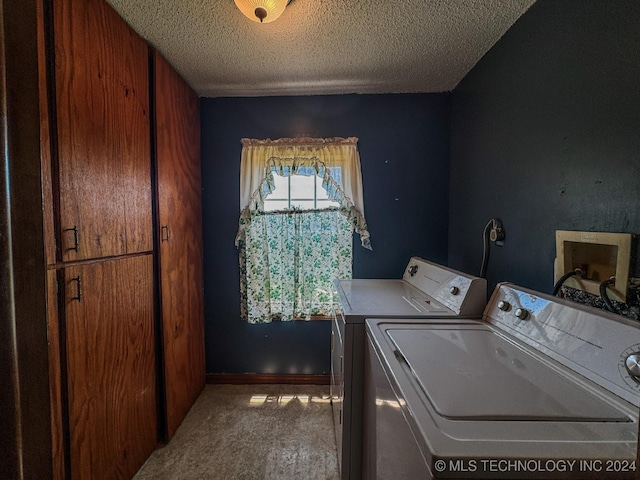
x,y
263,11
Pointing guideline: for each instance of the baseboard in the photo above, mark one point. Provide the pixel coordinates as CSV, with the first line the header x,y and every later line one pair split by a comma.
x,y
267,379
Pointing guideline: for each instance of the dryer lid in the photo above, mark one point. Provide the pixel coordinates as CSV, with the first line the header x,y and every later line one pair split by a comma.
x,y
477,374
378,297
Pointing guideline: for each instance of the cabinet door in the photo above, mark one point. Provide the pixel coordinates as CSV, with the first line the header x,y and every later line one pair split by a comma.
x,y
104,161
180,218
110,367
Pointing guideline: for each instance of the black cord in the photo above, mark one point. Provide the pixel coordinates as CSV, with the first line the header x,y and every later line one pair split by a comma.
x,y
563,278
605,297
485,249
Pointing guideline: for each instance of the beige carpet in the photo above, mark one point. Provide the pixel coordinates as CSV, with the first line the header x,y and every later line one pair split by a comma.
x,y
251,432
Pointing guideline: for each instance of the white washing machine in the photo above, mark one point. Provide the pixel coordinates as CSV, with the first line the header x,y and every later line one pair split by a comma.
x,y
537,388
426,290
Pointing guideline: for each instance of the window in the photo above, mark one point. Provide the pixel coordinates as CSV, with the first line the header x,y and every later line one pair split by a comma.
x,y
296,226
300,192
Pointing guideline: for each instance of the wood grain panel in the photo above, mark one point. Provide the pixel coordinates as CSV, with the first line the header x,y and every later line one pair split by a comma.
x,y
103,131
180,217
111,367
55,377
45,144
25,440
53,327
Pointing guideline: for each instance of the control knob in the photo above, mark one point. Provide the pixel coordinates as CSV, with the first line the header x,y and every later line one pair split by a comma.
x,y
521,313
504,306
413,269
633,365
454,290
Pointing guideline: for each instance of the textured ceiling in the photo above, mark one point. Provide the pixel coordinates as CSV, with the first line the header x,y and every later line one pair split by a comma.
x,y
323,46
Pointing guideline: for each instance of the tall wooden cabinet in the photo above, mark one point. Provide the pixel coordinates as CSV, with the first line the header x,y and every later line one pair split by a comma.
x,y
177,134
125,306
103,135
97,193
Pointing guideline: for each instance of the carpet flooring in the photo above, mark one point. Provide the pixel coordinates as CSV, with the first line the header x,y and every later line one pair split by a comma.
x,y
251,432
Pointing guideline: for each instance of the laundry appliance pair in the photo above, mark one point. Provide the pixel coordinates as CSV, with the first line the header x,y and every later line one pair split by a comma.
x,y
427,382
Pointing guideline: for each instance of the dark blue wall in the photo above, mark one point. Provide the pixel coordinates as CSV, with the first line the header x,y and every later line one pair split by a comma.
x,y
404,151
546,136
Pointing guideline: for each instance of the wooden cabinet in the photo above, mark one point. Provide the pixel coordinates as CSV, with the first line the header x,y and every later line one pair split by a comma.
x,y
103,133
177,134
110,366
125,305
97,194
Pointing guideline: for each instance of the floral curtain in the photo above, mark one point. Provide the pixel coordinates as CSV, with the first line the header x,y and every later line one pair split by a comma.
x,y
288,259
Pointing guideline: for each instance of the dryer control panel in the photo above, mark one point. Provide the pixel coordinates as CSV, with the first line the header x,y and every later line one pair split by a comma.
x,y
464,294
599,345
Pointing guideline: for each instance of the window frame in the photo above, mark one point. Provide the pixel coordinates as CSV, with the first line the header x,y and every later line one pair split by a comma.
x,y
317,184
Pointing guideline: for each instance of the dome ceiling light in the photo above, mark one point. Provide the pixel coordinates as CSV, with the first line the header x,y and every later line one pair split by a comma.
x,y
263,11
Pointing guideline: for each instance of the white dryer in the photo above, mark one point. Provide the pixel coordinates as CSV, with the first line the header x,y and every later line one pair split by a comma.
x,y
537,388
426,290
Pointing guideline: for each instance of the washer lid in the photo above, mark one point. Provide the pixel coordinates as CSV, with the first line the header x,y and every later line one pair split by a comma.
x,y
476,374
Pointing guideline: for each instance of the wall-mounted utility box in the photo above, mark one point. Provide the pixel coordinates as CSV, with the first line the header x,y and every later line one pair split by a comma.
x,y
600,256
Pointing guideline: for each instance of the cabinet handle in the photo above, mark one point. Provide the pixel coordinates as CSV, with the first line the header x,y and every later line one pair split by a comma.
x,y
165,233
73,229
78,281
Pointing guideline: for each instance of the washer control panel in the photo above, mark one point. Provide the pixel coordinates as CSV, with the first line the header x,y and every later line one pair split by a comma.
x,y
631,363
521,313
504,306
599,345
